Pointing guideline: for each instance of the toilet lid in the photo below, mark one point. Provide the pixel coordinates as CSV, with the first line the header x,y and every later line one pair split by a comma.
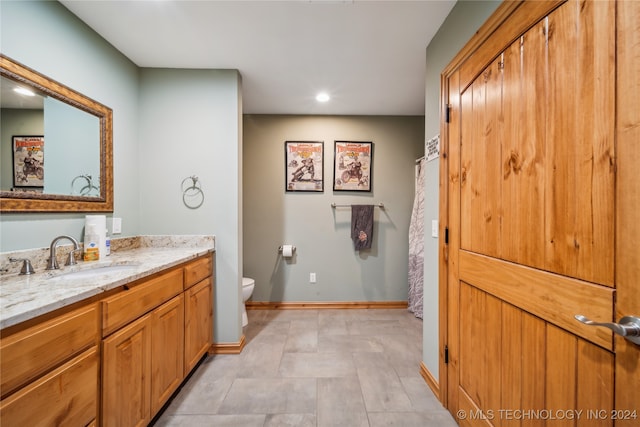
x,y
246,281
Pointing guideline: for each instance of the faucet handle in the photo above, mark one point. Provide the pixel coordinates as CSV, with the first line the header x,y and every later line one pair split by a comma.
x,y
71,259
27,268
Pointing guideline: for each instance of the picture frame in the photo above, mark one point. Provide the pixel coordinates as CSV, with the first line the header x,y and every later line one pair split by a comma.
x,y
353,166
28,161
304,166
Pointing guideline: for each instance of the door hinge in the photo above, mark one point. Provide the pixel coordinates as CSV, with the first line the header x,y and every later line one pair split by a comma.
x,y
447,113
446,235
446,354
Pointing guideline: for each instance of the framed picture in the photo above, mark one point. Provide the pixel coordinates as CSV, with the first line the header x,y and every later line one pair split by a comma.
x,y
28,161
304,165
352,168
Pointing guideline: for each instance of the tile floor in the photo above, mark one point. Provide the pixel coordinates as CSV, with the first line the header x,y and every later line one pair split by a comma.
x,y
346,368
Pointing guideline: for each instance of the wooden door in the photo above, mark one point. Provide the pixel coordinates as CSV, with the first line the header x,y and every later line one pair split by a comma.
x,y
126,369
167,351
541,208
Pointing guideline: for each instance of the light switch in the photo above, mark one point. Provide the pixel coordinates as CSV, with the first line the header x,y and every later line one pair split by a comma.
x,y
116,226
434,228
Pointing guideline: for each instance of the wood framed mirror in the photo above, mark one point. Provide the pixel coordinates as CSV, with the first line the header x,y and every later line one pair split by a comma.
x,y
63,162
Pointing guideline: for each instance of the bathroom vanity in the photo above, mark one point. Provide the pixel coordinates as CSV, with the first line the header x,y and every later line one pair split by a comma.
x,y
104,343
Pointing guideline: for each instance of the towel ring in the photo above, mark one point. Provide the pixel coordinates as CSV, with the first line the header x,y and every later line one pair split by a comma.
x,y
192,196
87,189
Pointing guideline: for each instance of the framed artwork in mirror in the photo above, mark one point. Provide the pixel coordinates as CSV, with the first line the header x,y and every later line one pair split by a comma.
x,y
352,166
28,162
304,166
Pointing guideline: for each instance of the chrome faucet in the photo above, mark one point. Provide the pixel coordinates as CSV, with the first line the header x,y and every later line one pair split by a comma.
x,y
71,260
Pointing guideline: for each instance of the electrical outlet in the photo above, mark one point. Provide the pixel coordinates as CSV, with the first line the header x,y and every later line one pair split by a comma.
x,y
312,277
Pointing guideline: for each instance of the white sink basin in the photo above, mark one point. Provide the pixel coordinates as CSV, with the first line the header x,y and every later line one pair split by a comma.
x,y
98,270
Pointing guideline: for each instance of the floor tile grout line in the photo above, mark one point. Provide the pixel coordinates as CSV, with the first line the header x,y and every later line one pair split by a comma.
x,y
389,352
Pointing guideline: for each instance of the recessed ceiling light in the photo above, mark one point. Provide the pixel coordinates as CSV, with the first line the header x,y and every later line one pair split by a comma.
x,y
23,91
322,97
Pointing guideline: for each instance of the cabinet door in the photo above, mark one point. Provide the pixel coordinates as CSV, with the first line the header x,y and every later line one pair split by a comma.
x,y
65,396
167,351
126,370
198,323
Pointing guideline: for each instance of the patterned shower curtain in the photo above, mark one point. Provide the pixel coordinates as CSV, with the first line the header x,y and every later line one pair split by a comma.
x,y
416,246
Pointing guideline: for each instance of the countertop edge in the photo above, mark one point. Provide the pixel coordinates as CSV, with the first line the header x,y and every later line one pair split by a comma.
x,y
103,285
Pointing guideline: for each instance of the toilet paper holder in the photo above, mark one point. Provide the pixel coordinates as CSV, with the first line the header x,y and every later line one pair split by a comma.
x,y
293,248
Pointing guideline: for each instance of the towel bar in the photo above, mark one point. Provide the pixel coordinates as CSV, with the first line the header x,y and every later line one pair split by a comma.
x,y
333,205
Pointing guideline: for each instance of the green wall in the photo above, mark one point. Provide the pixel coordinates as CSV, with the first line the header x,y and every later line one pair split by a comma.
x,y
62,47
190,123
199,134
273,217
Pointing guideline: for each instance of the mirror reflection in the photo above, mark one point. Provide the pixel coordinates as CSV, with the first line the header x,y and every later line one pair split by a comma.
x,y
55,145
48,146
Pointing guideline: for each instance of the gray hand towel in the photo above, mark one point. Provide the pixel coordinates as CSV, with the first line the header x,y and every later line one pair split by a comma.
x,y
361,226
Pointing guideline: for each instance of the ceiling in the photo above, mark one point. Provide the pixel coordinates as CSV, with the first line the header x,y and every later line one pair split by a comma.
x,y
369,56
10,99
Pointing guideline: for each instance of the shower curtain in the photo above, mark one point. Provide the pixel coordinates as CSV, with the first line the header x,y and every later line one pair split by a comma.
x,y
416,245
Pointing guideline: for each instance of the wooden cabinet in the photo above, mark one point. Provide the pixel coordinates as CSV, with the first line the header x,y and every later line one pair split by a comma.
x,y
126,367
169,330
58,371
197,270
65,396
29,353
49,371
167,355
198,323
198,315
137,300
142,365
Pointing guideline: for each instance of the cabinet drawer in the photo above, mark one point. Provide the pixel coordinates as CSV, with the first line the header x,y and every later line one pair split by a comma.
x,y
66,396
128,305
197,270
30,353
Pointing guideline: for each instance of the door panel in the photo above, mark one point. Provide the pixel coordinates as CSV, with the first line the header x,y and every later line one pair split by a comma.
x,y
522,184
542,198
524,148
579,183
596,369
533,365
560,376
480,347
517,369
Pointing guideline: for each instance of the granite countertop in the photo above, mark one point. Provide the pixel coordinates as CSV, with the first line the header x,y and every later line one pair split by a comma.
x,y
23,297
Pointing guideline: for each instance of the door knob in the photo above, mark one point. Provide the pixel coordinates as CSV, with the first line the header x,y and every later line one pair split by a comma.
x,y
629,326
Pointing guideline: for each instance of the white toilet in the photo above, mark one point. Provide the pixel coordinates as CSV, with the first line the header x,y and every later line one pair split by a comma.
x,y
247,289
